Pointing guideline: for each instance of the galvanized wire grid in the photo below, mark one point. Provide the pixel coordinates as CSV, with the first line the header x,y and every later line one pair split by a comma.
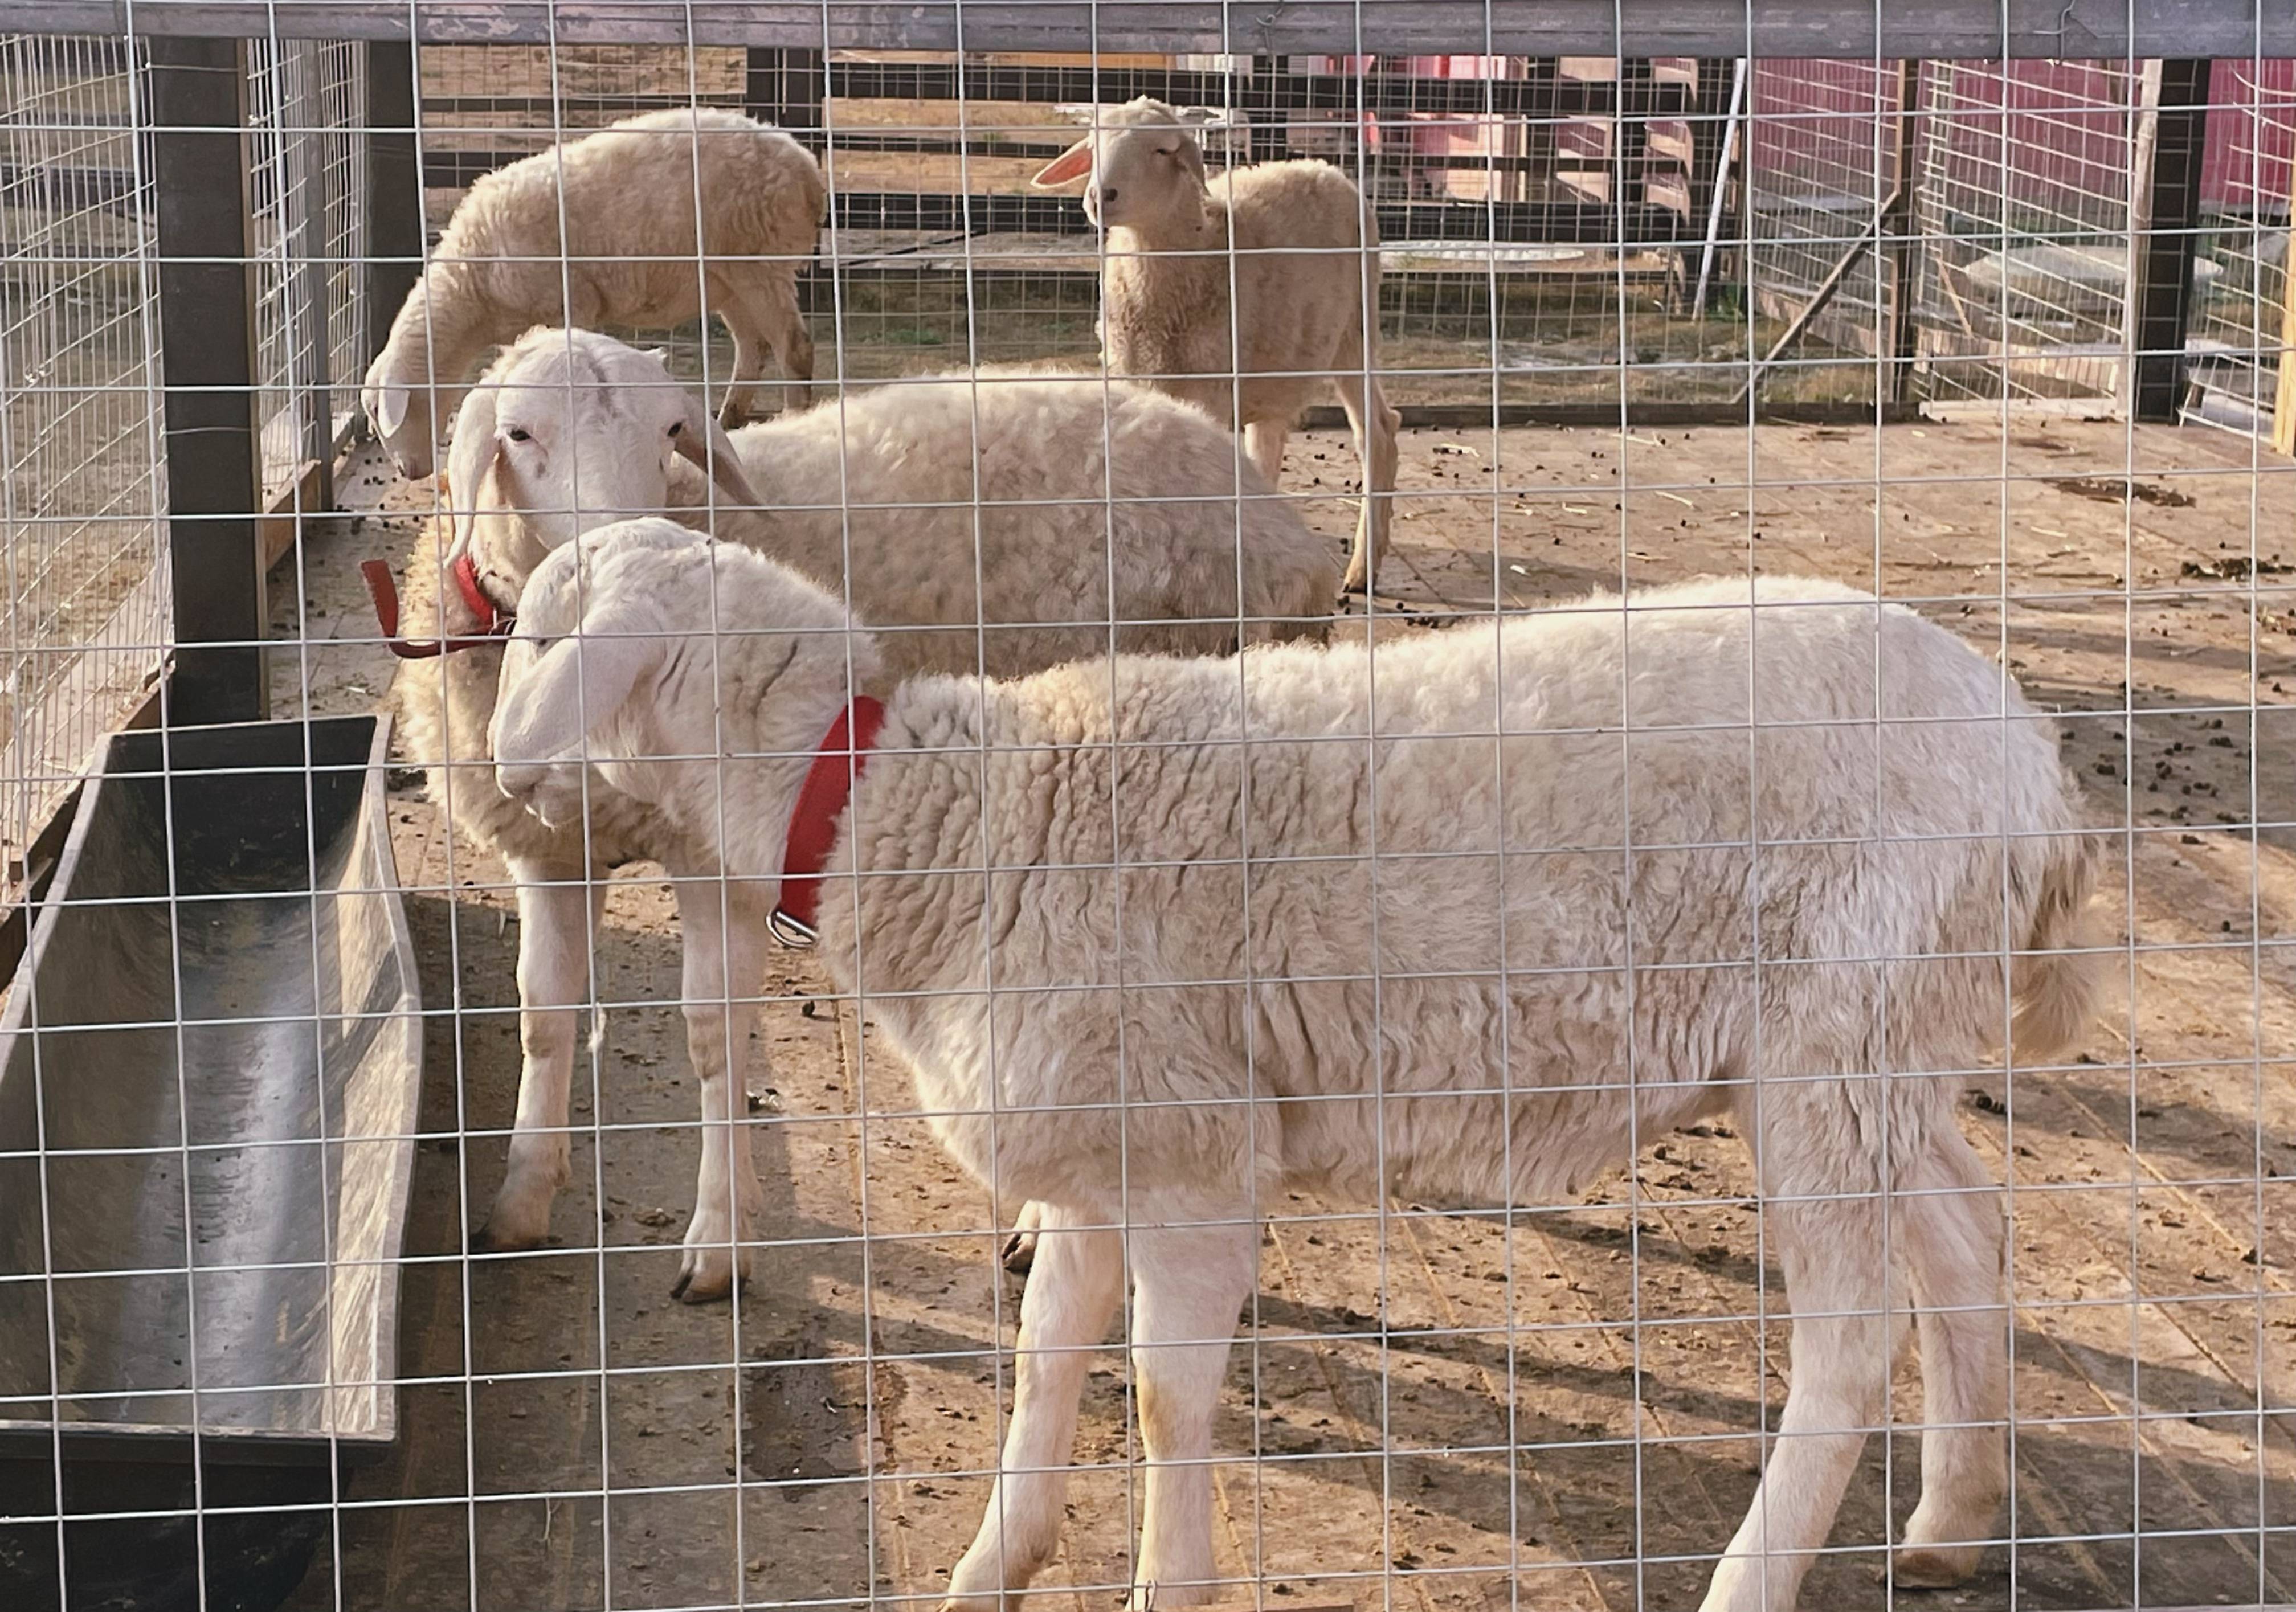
x,y
1561,1406
83,603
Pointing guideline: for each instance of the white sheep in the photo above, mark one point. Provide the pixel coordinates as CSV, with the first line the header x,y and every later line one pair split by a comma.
x,y
1301,246
1567,898
627,255
571,428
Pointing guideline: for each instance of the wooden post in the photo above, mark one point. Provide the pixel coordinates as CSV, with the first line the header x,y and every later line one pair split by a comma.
x,y
1711,115
1906,249
1270,133
2164,232
207,333
783,87
1629,139
394,188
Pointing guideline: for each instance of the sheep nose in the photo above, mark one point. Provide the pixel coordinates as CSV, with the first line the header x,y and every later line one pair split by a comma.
x,y
1107,194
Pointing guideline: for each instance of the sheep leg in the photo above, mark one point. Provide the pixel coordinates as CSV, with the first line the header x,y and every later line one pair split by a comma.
x,y
1837,1282
1020,1250
738,309
1189,1282
1072,1292
763,318
1263,440
1954,1241
792,341
1375,425
724,957
557,914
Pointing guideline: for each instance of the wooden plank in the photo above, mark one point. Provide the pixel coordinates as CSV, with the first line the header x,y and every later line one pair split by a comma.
x,y
1540,98
2077,30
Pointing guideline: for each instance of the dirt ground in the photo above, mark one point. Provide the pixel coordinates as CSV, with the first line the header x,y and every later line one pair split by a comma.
x,y
1555,1411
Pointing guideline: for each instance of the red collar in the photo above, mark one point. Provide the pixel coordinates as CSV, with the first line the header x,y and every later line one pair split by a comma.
x,y
812,826
494,623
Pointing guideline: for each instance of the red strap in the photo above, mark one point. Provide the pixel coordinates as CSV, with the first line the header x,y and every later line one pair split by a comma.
x,y
494,623
812,826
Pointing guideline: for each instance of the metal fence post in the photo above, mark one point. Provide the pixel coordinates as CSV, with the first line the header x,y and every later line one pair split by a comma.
x,y
394,189
2164,236
207,276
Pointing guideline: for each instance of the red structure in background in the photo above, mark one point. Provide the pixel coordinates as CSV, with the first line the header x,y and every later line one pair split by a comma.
x,y
2061,127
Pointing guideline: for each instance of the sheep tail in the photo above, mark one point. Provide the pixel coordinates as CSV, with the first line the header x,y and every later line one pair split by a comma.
x,y
2056,981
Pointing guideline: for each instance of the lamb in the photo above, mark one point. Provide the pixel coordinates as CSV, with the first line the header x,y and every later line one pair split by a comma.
x,y
1303,979
1302,248
558,432
627,256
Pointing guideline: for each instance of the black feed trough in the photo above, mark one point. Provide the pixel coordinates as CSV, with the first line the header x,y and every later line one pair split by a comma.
x,y
209,1070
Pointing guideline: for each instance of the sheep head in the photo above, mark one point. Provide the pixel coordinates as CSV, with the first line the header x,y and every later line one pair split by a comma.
x,y
399,414
616,664
570,431
1141,164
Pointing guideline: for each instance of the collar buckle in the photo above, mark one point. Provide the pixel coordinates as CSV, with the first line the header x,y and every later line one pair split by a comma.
x,y
795,934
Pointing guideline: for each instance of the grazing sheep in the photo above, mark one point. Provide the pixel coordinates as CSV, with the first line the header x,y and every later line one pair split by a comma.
x,y
627,256
1302,247
569,428
1604,870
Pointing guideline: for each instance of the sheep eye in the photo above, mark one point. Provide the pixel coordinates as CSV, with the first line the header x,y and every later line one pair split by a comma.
x,y
518,433
679,427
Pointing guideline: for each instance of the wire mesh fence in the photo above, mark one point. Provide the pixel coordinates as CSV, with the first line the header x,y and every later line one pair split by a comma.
x,y
1523,1070
2238,323
84,580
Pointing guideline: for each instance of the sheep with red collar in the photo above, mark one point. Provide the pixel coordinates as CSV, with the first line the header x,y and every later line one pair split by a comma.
x,y
984,518
601,230
1456,934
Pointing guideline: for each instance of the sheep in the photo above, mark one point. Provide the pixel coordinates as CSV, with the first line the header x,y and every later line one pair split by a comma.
x,y
627,256
1302,248
557,431
1467,963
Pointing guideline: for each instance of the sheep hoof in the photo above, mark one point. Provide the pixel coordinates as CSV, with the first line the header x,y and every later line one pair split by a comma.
x,y
1019,1253
706,1279
486,1240
1934,1566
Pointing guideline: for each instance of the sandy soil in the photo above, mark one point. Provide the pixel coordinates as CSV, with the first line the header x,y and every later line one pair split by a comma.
x,y
1426,1412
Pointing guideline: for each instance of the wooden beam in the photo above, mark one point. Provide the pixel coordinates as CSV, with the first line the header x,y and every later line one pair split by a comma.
x,y
2023,29
207,276
394,189
1906,249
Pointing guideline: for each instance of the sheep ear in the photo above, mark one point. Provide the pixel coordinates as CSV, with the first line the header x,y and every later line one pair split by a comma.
x,y
1069,166
1210,117
723,464
572,689
390,402
469,459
